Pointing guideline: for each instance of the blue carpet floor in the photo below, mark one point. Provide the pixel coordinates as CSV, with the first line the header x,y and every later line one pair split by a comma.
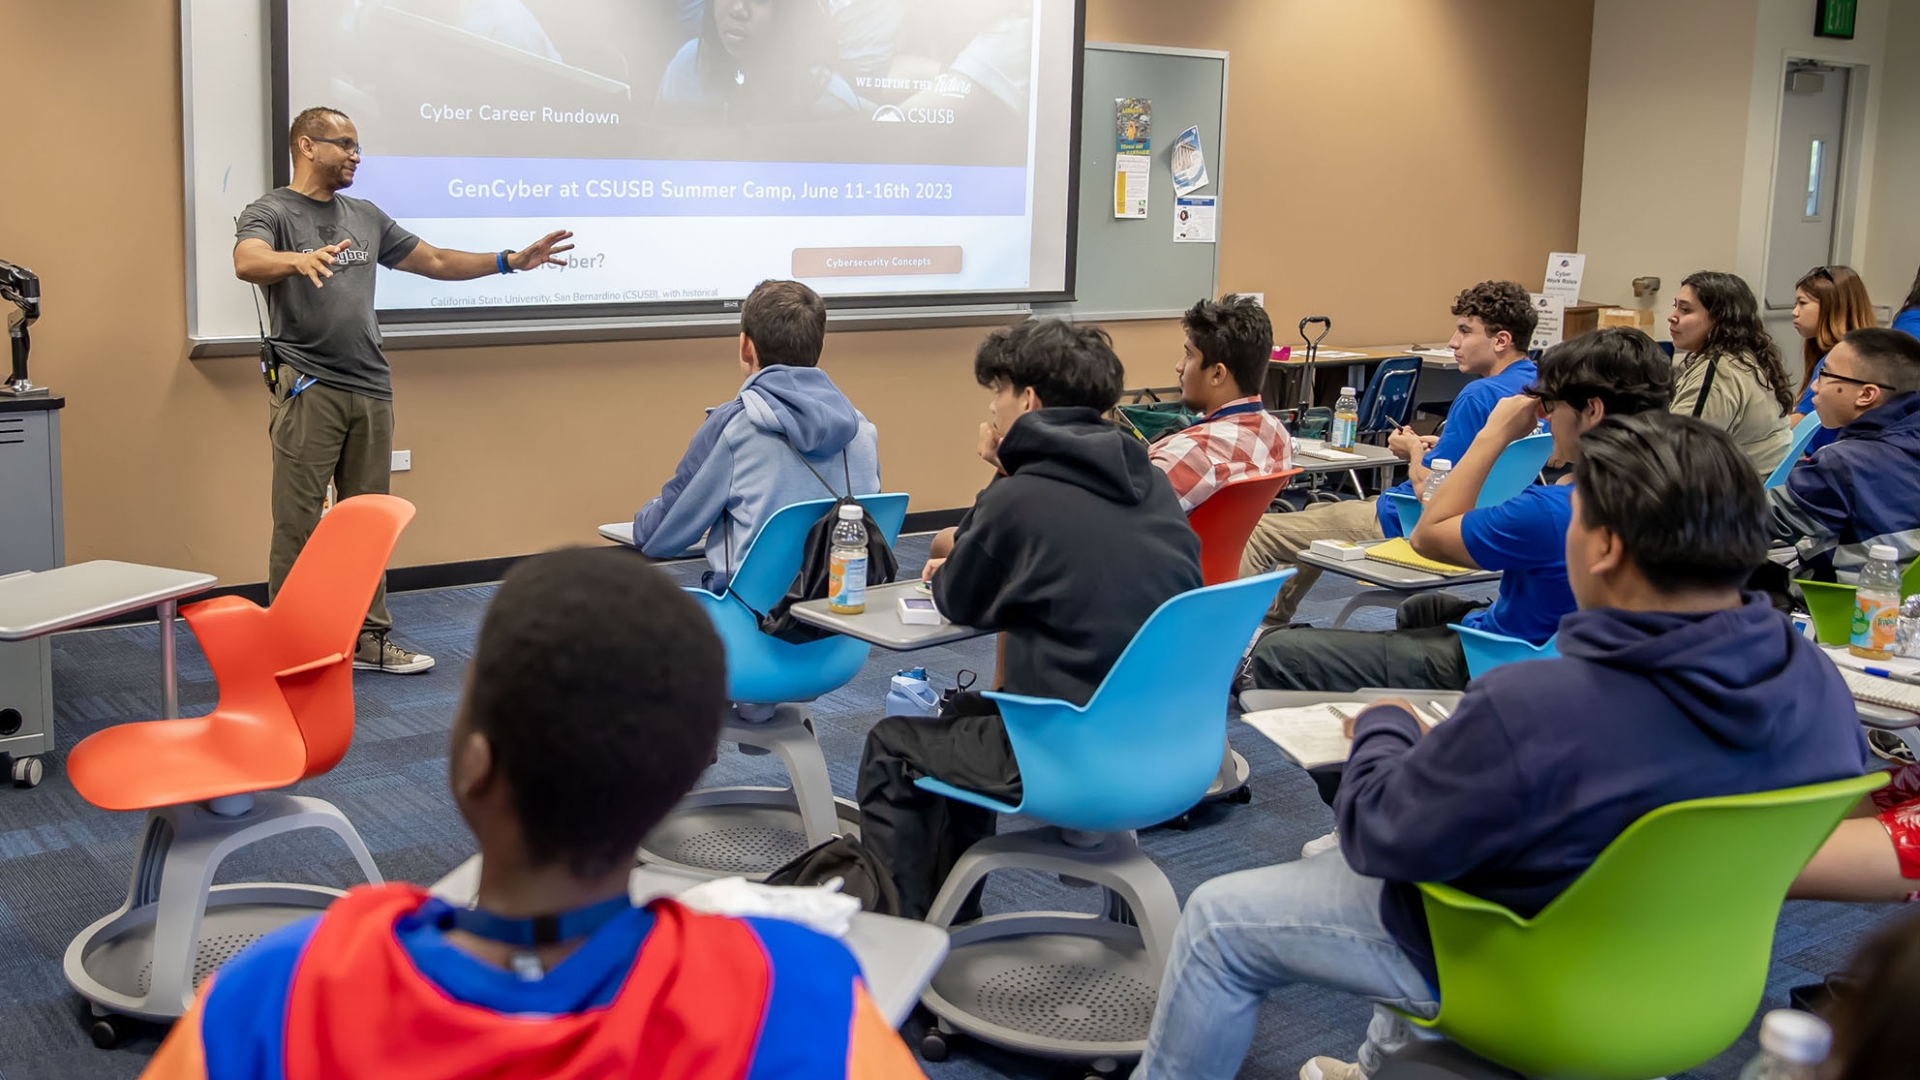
x,y
64,863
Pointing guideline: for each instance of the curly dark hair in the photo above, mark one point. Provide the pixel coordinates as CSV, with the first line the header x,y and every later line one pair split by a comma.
x,y
1066,364
1737,334
1236,332
1618,365
1500,305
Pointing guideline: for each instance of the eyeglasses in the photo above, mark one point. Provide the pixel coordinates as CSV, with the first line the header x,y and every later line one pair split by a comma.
x,y
352,148
1823,373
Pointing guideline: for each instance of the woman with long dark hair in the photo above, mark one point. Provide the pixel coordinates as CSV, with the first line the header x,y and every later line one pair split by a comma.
x,y
1908,317
1730,373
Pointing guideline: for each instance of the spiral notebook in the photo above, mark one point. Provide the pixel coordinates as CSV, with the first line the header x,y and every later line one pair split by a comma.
x,y
1397,552
1875,690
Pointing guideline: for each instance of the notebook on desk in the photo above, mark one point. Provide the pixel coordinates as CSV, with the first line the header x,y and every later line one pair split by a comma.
x,y
1397,552
1875,690
1316,735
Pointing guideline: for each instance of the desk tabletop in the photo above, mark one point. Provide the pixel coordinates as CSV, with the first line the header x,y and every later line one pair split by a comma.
x,y
880,624
48,601
897,956
1391,576
621,532
1372,457
1254,700
1430,355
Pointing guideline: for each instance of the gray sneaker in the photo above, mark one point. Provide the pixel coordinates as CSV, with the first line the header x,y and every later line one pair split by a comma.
x,y
377,652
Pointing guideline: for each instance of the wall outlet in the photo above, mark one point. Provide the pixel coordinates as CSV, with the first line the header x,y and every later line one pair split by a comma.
x,y
402,460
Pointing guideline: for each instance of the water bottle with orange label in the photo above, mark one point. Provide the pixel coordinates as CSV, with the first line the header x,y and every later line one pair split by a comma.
x,y
847,564
1876,605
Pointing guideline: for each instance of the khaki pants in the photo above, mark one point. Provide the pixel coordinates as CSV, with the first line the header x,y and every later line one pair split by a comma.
x,y
323,434
1279,538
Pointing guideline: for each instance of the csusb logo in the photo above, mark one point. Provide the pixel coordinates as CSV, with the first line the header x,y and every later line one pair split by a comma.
x,y
347,257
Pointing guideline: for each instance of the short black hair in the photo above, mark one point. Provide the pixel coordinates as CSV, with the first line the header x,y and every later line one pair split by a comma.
x,y
1234,331
787,323
1684,501
1066,364
1619,365
1500,305
1889,356
310,123
600,685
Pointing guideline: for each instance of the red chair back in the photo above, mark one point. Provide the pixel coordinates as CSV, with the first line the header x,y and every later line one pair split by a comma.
x,y
1227,518
318,612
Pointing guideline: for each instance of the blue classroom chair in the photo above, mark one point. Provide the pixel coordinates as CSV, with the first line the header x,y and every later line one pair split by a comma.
x,y
1803,433
1487,651
1517,467
1144,749
1388,400
752,831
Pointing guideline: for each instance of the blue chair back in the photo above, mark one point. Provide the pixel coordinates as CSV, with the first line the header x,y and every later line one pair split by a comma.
x,y
1517,467
766,670
1666,347
1148,744
1487,651
1803,433
1388,401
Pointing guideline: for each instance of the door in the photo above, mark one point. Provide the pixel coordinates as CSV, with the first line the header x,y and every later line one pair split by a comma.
x,y
1806,184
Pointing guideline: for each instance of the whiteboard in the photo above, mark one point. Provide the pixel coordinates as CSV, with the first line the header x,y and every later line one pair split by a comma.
x,y
226,106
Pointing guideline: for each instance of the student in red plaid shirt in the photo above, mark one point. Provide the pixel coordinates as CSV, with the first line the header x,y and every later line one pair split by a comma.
x,y
1221,370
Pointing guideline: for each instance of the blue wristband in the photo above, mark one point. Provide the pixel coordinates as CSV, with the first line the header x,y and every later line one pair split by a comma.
x,y
500,262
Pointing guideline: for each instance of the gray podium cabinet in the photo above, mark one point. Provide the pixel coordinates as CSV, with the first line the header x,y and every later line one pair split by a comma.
x,y
31,538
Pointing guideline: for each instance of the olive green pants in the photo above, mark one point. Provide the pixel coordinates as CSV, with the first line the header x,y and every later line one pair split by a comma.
x,y
322,434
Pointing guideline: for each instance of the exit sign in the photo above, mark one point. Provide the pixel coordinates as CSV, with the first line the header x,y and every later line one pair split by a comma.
x,y
1834,18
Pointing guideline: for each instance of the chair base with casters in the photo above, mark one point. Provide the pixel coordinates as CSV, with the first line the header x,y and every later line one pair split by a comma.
x,y
1055,984
1229,786
753,831
176,927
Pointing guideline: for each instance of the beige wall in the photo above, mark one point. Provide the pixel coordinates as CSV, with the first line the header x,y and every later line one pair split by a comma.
x,y
1667,102
1893,231
1379,160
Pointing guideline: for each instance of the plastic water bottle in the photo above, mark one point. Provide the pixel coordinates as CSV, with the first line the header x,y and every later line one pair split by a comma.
x,y
1876,604
1906,639
1346,419
1792,1046
912,695
1435,477
847,570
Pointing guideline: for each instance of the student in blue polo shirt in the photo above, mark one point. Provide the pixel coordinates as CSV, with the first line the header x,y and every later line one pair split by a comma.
x,y
1615,372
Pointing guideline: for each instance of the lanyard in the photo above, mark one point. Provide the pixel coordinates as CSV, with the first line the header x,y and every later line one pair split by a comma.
x,y
1230,410
526,935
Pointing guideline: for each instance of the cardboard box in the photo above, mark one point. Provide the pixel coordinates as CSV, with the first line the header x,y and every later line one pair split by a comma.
x,y
1638,318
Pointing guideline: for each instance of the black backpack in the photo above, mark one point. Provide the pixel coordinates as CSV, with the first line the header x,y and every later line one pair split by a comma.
x,y
816,562
861,875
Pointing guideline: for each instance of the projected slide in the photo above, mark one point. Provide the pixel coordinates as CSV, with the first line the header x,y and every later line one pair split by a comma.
x,y
874,148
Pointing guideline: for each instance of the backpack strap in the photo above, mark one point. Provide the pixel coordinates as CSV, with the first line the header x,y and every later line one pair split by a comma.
x,y
1706,387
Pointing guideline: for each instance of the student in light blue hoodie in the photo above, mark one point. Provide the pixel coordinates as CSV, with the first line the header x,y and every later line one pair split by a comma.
x,y
789,436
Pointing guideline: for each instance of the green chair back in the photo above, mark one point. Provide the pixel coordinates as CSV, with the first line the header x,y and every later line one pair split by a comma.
x,y
1654,960
1831,605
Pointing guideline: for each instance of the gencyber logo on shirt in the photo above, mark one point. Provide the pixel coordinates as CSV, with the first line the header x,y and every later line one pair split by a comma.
x,y
344,258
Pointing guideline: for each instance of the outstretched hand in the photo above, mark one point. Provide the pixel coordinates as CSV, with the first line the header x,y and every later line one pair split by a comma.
x,y
542,251
314,264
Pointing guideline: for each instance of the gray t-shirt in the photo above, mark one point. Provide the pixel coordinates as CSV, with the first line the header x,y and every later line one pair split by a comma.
x,y
329,333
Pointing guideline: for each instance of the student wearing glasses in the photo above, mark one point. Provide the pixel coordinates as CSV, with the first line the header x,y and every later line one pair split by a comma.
x,y
1864,489
1829,302
312,251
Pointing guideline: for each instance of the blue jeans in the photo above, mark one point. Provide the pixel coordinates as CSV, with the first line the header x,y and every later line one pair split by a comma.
x,y
1312,921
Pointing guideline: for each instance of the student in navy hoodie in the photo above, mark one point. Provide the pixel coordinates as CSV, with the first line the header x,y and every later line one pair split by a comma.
x,y
1074,543
789,436
1671,685
1864,488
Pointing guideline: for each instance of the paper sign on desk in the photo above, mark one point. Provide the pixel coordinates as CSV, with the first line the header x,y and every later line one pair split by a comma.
x,y
1194,218
1564,271
1552,313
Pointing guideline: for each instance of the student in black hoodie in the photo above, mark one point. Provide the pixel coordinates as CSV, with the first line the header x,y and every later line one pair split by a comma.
x,y
1671,685
1066,553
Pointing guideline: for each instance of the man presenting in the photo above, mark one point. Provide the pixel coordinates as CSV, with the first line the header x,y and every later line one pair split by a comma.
x,y
312,252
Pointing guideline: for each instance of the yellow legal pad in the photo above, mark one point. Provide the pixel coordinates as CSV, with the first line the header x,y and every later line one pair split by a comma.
x,y
1400,553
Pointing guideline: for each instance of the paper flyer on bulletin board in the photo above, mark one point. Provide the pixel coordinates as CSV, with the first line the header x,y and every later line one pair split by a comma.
x,y
1132,160
1189,163
1194,218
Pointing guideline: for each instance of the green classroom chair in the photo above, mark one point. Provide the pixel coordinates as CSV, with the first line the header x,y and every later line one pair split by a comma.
x,y
1654,960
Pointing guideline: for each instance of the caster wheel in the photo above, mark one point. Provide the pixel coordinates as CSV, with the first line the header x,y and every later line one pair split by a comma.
x,y
108,1032
933,1047
1183,823
27,772
1242,795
